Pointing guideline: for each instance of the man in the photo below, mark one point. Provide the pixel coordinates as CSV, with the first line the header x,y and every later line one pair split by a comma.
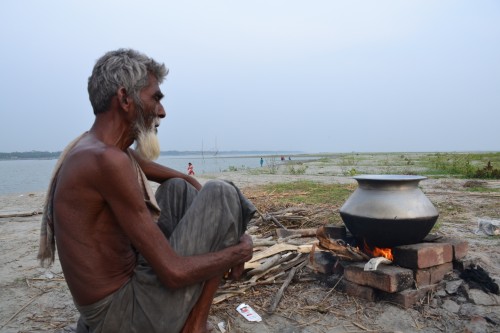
x,y
133,262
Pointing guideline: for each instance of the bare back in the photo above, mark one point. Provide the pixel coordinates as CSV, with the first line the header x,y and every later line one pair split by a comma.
x,y
96,255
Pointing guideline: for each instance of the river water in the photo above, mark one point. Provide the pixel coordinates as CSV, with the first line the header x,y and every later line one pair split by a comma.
x,y
22,176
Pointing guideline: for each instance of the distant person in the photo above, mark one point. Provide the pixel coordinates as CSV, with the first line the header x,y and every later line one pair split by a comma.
x,y
135,261
261,162
282,158
190,169
289,158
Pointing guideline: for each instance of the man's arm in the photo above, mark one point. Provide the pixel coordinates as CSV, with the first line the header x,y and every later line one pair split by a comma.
x,y
160,173
117,183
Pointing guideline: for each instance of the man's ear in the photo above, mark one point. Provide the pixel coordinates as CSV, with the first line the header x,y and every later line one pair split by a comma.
x,y
123,99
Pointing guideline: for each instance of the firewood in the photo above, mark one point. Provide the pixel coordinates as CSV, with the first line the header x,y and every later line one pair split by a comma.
x,y
339,247
281,247
271,218
285,262
266,265
283,233
259,243
280,292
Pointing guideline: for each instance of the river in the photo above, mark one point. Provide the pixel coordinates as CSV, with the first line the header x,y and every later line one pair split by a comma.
x,y
22,176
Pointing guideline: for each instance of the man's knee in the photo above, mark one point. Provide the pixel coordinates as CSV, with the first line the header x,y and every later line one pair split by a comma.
x,y
220,187
172,186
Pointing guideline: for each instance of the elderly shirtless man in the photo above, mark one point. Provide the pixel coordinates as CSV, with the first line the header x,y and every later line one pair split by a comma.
x,y
135,261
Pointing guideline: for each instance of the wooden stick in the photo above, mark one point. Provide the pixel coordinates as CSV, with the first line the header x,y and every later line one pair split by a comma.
x,y
279,295
266,265
282,233
23,214
259,242
272,218
281,247
275,221
21,309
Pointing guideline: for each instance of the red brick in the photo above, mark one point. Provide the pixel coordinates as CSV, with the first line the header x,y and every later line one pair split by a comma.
x,y
422,255
326,262
432,275
406,298
357,290
460,247
388,278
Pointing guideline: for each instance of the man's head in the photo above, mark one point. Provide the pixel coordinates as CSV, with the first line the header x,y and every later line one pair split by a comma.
x,y
130,71
121,68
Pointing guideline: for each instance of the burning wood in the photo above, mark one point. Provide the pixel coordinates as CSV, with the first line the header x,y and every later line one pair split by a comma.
x,y
340,248
379,252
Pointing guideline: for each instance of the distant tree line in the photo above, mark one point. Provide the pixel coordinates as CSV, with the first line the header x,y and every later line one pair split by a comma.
x,y
29,155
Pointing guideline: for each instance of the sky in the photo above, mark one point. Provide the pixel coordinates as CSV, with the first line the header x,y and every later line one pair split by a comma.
x,y
312,76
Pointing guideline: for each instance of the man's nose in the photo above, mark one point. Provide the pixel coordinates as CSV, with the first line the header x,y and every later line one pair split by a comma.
x,y
161,111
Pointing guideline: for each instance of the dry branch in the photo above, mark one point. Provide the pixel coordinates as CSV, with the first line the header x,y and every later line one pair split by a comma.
x,y
22,214
283,233
339,247
279,295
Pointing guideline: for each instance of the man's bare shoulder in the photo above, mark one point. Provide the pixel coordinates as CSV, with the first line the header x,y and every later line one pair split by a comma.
x,y
92,164
97,152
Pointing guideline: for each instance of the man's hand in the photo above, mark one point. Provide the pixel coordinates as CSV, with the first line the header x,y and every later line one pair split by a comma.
x,y
247,247
247,244
236,272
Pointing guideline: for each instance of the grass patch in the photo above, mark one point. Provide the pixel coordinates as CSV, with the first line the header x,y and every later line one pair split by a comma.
x,y
259,171
296,169
317,202
310,193
463,165
482,189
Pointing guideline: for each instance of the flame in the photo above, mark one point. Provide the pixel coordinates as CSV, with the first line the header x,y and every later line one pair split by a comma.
x,y
379,252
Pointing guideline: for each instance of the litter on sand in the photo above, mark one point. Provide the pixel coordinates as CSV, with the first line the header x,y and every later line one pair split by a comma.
x,y
246,311
488,227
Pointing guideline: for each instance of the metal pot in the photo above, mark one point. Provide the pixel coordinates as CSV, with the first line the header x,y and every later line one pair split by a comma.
x,y
388,210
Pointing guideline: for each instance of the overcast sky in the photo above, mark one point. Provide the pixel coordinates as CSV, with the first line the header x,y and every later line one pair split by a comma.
x,y
312,76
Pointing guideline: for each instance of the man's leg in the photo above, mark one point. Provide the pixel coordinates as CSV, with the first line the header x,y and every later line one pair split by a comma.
x,y
199,223
210,220
197,321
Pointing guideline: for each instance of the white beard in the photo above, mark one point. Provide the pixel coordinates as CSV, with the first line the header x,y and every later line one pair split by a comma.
x,y
147,144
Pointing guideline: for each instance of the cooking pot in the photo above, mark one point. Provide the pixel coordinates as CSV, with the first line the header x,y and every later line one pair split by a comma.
x,y
388,210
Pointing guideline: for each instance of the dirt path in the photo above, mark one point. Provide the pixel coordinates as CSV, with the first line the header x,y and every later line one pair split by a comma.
x,y
33,299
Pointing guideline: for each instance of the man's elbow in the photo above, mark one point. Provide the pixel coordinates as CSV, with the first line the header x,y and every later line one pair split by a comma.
x,y
175,280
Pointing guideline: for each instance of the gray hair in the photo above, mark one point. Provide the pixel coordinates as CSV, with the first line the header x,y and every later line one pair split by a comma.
x,y
121,68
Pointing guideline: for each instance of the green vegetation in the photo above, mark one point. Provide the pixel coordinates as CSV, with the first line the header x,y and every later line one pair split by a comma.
x,y
465,165
348,164
272,164
309,192
460,165
30,155
297,169
482,189
232,168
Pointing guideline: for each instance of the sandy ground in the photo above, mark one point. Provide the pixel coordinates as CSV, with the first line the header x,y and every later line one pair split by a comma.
x,y
33,299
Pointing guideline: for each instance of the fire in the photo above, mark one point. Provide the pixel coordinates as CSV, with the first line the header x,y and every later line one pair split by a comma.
x,y
379,252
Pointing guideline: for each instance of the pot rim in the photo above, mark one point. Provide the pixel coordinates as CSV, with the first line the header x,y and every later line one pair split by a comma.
x,y
389,177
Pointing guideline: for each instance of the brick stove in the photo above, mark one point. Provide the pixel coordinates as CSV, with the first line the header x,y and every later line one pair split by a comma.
x,y
415,271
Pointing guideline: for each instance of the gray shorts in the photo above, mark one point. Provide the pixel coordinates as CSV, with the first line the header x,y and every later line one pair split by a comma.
x,y
195,223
